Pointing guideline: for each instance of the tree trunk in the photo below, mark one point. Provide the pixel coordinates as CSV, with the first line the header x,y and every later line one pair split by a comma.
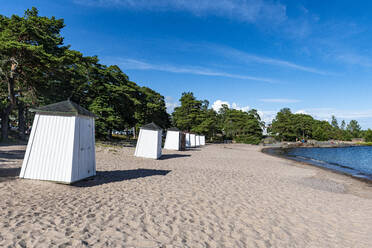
x,y
12,103
21,121
4,126
134,132
109,134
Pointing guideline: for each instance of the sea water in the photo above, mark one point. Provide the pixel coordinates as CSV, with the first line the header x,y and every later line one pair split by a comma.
x,y
356,161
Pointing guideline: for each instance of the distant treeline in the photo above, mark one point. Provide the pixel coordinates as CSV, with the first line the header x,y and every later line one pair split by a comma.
x,y
195,116
288,126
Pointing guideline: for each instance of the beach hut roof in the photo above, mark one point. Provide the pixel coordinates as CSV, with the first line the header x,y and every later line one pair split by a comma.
x,y
173,129
65,108
151,126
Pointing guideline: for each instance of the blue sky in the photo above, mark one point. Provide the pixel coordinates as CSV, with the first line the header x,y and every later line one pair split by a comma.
x,y
312,56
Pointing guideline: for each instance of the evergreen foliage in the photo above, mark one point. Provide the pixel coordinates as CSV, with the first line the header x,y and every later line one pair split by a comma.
x,y
36,69
195,116
368,135
291,127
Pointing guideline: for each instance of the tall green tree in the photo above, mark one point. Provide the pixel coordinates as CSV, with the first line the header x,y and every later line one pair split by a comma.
x,y
322,130
30,46
208,123
303,125
334,122
35,65
343,125
368,135
243,127
151,108
36,68
282,126
354,128
187,116
112,97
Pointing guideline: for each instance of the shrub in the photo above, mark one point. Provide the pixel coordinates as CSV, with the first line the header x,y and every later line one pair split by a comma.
x,y
368,135
247,139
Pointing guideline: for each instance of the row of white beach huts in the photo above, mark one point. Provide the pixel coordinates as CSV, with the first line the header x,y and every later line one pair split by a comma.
x,y
149,144
61,145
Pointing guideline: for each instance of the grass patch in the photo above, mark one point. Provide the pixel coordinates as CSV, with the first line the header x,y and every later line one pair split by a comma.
x,y
115,143
107,145
365,143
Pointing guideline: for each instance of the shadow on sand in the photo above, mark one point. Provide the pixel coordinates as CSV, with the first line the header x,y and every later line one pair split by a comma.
x,y
7,174
11,154
18,143
193,149
104,177
170,156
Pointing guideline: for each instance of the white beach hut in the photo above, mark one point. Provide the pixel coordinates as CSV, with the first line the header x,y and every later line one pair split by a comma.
x,y
61,146
197,142
149,142
202,140
175,140
192,140
188,140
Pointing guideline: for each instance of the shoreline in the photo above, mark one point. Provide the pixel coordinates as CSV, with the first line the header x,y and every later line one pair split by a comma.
x,y
271,152
335,144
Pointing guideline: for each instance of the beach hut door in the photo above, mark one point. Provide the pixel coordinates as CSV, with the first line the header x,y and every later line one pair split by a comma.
x,y
86,163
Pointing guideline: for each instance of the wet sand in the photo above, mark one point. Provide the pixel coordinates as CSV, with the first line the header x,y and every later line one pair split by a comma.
x,y
215,196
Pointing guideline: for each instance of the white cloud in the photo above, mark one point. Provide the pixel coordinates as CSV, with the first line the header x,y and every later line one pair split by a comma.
x,y
279,100
217,105
236,106
243,10
301,111
170,103
355,59
267,115
248,58
140,65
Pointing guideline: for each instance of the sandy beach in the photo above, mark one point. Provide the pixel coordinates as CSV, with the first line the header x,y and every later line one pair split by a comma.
x,y
216,196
